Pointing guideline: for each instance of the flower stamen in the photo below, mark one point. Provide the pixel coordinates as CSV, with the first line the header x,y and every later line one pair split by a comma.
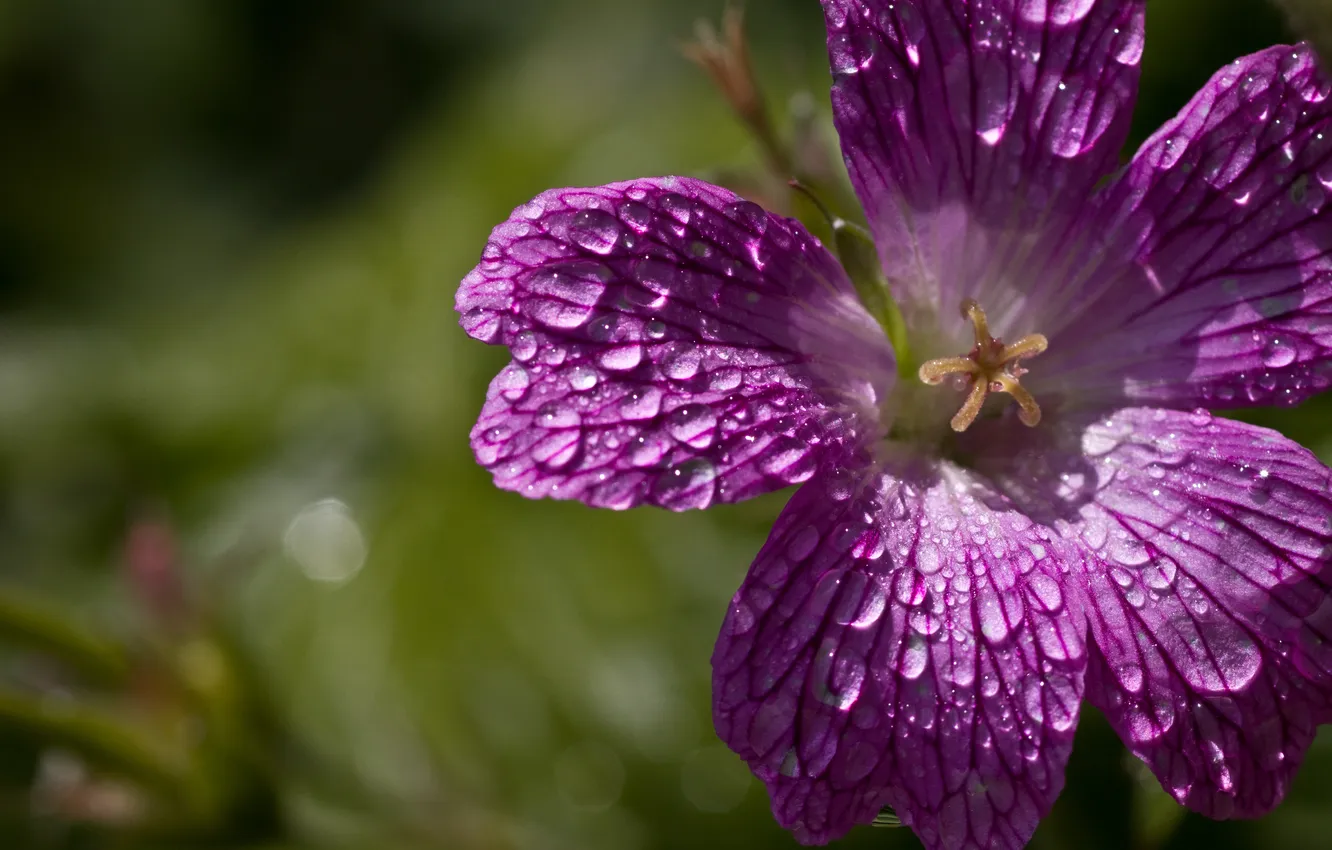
x,y
991,366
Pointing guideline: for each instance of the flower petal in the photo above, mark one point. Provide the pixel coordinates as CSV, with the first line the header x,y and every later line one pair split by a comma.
x,y
904,641
1210,282
672,344
970,126
1209,564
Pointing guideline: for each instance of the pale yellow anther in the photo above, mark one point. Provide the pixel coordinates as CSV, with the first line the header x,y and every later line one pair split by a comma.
x,y
971,408
1028,410
971,310
935,371
991,367
1028,346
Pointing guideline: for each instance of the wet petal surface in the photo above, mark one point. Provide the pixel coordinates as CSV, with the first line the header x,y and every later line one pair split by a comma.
x,y
1208,552
974,130
672,344
1208,279
904,641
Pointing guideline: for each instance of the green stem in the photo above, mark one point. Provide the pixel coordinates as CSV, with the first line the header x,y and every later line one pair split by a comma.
x,y
101,739
27,624
859,257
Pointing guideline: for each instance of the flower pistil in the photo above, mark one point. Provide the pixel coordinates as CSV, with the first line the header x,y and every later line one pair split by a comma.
x,y
991,366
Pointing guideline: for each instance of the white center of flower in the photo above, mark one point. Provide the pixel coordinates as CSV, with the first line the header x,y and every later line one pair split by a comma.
x,y
990,367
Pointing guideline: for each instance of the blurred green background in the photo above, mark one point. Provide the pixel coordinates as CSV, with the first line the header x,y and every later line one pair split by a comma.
x,y
254,591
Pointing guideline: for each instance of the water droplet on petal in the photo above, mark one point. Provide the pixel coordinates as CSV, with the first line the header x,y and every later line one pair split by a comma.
x,y
524,346
689,485
595,230
1096,442
638,216
915,657
803,544
1278,353
724,380
582,377
481,323
1045,591
924,622
565,297
682,363
1160,574
694,424
677,207
512,382
621,358
556,415
837,676
789,459
1130,552
641,403
993,624
648,449
909,587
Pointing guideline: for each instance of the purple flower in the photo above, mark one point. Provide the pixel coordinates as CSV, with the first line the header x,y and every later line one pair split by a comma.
x,y
987,533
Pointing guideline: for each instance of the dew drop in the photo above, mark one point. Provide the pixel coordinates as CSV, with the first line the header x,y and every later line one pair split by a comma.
x,y
1130,552
498,434
1033,699
621,358
993,624
928,560
1278,353
1045,591
641,403
837,676
693,424
1094,533
638,216
556,449
677,207
513,381
803,544
524,346
648,450
1161,574
595,230
909,587
682,363
1096,442
724,380
789,460
555,415
689,485
568,295
481,323
915,657
749,215
924,622
582,377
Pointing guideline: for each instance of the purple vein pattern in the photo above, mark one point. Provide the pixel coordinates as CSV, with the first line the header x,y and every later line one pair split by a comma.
x,y
931,609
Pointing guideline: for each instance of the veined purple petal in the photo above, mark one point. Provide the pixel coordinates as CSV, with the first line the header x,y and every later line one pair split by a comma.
x,y
904,641
974,129
1209,564
672,344
1210,275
